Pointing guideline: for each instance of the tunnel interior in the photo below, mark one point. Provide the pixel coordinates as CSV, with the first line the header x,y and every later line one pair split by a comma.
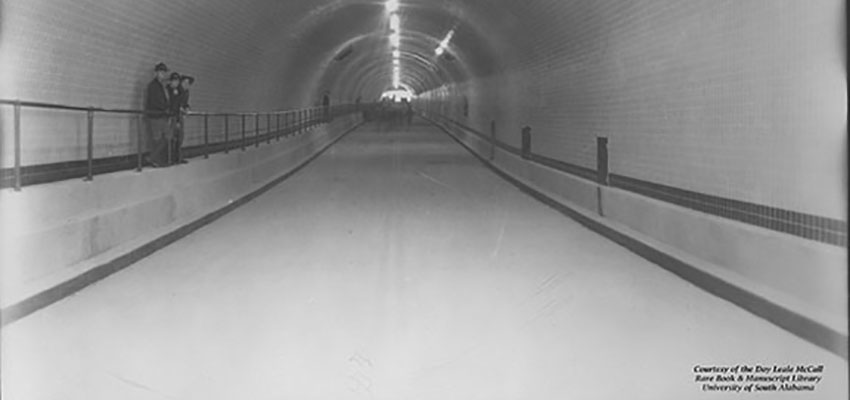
x,y
704,97
712,133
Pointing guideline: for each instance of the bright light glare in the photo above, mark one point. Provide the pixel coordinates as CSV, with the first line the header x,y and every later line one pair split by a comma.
x,y
396,53
444,44
394,22
396,76
392,6
396,61
397,94
395,39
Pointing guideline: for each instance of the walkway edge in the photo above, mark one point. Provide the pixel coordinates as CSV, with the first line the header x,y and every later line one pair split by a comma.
x,y
59,292
800,325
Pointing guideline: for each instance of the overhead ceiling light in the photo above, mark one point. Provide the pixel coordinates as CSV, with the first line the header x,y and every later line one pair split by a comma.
x,y
396,53
396,61
394,22
392,6
395,39
444,44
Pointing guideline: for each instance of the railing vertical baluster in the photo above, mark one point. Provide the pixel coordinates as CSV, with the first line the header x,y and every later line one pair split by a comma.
x,y
206,136
277,125
243,132
90,144
226,133
268,128
256,130
17,146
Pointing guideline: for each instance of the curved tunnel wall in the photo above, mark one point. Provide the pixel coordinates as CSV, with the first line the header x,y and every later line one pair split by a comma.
x,y
744,100
735,104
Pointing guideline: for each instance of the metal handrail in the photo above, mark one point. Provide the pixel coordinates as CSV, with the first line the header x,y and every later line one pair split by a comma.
x,y
301,120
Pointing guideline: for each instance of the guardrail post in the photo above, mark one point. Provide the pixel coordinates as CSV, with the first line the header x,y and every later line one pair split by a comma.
x,y
226,133
139,139
243,132
206,137
90,144
526,142
602,160
17,146
256,130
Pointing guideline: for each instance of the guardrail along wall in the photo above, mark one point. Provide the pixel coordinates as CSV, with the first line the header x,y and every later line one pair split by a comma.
x,y
717,129
50,142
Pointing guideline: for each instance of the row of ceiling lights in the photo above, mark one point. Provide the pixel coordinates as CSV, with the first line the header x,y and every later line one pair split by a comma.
x,y
392,7
395,40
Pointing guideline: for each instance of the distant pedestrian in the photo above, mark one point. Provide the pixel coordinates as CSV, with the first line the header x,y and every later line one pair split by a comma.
x,y
157,117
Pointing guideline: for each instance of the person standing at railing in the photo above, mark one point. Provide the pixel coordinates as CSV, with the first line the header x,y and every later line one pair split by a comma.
x,y
182,102
157,117
174,109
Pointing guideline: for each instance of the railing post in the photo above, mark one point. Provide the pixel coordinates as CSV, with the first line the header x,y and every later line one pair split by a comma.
x,y
226,133
206,136
602,160
243,132
526,142
268,128
17,146
277,125
139,139
257,130
90,144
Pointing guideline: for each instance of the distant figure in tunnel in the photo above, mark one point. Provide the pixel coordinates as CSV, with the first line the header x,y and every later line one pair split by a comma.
x,y
157,117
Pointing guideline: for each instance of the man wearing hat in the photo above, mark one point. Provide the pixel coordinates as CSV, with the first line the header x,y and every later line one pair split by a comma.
x,y
157,117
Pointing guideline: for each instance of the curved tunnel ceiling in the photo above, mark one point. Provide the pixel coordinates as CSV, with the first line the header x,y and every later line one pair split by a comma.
x,y
360,28
262,54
